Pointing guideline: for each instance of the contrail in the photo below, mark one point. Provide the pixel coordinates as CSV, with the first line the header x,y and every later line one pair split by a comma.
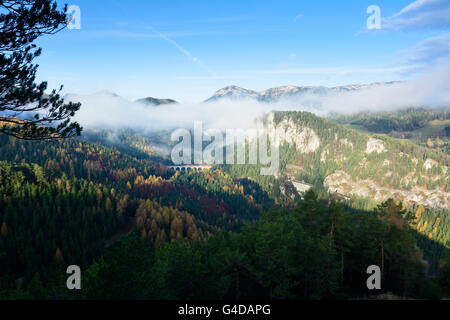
x,y
183,51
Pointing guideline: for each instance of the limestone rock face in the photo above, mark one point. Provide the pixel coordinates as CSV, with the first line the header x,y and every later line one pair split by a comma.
x,y
430,163
305,139
341,183
375,145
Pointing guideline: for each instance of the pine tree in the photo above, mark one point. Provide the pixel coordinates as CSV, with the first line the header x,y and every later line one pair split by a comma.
x,y
21,23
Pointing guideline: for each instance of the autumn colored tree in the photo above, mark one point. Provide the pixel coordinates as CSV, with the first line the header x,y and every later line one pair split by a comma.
x,y
4,230
59,256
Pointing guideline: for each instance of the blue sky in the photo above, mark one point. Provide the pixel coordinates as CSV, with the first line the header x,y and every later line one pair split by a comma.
x,y
186,50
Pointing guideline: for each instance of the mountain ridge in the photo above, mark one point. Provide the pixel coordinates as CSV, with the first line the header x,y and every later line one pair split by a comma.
x,y
150,101
235,92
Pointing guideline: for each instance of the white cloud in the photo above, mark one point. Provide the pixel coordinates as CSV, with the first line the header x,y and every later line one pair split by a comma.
x,y
299,16
429,89
420,14
429,50
105,110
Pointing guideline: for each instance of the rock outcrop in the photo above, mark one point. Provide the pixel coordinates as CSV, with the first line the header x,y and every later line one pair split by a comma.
x,y
305,139
341,183
375,145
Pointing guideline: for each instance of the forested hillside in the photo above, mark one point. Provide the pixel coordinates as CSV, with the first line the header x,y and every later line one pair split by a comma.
x,y
227,232
401,121
429,127
360,169
64,202
313,251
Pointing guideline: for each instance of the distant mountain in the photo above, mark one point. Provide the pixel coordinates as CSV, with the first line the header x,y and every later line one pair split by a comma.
x,y
272,94
113,98
234,92
155,102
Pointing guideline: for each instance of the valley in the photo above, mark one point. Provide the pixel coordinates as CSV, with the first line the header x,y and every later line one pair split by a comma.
x,y
116,184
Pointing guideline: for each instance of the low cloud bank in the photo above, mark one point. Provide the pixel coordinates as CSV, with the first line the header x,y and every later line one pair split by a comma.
x,y
431,89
